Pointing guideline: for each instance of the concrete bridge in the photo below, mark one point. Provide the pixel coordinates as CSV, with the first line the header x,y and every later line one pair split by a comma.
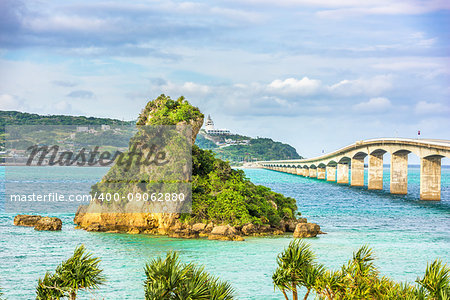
x,y
335,166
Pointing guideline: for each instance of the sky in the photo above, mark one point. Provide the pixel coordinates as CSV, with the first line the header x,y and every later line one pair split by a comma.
x,y
317,74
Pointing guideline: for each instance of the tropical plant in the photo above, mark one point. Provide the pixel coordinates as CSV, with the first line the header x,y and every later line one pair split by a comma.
x,y
79,272
436,281
169,278
358,279
296,268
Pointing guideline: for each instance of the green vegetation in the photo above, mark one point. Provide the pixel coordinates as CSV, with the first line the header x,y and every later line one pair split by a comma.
x,y
170,279
219,193
246,148
257,149
48,135
204,143
224,195
358,279
165,111
20,118
79,272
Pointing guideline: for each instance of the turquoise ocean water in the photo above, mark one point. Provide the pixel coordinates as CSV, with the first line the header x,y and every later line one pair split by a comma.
x,y
405,233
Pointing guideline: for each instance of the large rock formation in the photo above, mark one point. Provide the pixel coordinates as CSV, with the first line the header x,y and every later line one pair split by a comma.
x,y
132,217
48,223
306,230
38,222
26,220
263,212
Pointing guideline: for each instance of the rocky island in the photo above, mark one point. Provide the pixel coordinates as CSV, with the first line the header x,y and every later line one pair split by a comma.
x,y
225,204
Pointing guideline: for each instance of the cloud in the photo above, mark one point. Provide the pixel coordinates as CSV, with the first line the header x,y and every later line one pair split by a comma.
x,y
130,27
386,7
363,86
65,23
189,89
292,86
341,8
374,105
427,108
64,83
81,94
9,102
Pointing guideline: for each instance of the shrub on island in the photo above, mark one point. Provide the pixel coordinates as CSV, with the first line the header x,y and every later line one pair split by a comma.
x,y
220,194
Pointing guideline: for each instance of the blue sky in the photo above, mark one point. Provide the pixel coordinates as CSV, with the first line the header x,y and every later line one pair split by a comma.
x,y
318,74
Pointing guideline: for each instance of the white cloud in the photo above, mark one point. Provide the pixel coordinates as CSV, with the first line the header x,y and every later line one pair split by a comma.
x,y
341,8
374,105
189,89
425,108
364,86
292,86
62,22
387,7
9,102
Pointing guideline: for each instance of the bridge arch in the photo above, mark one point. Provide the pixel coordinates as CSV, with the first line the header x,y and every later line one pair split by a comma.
x,y
430,153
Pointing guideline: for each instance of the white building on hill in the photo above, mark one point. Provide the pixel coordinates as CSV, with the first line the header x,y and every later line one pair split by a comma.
x,y
209,128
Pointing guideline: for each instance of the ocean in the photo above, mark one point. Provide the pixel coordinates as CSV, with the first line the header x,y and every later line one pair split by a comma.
x,y
404,232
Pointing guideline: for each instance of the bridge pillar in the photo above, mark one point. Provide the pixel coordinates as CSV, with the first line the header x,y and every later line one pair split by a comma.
x,y
305,172
320,173
299,171
342,173
430,178
331,173
375,171
312,173
399,173
357,172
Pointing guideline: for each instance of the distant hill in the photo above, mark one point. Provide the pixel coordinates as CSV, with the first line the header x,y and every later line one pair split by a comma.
x,y
234,148
20,118
238,148
107,138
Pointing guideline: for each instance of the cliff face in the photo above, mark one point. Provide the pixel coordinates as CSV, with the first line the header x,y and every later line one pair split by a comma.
x,y
225,204
182,120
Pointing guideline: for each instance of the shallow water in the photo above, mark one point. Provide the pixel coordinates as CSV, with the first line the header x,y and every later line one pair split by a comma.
x,y
405,233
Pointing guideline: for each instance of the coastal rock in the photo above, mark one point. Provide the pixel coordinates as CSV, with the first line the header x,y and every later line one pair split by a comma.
x,y
306,230
208,228
249,229
238,238
133,231
225,233
265,229
81,211
290,225
48,223
224,230
198,227
184,233
26,220
95,227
